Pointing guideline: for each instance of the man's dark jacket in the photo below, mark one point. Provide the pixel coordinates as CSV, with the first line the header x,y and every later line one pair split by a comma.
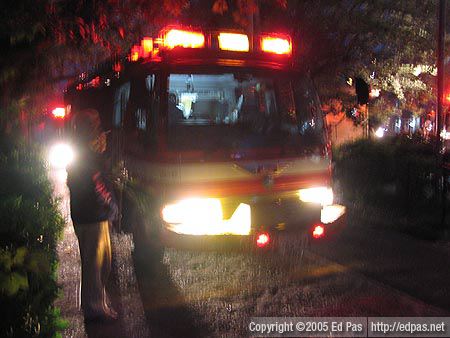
x,y
92,198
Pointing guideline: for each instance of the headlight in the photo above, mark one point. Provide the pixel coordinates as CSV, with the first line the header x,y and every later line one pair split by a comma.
x,y
320,195
60,156
331,213
204,216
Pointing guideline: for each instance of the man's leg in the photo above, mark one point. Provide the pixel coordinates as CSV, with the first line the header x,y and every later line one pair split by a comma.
x,y
105,247
91,245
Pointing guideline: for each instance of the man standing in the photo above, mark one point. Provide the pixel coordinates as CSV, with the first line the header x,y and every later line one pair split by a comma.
x,y
92,206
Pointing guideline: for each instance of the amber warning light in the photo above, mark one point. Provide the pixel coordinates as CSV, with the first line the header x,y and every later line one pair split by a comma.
x,y
183,38
234,42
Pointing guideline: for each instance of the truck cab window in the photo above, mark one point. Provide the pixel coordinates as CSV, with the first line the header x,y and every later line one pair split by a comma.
x,y
120,104
140,117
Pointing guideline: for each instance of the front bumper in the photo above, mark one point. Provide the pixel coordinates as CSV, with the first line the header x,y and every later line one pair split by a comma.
x,y
281,215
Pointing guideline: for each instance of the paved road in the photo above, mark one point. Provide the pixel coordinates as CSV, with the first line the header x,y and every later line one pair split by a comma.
x,y
217,293
172,293
417,268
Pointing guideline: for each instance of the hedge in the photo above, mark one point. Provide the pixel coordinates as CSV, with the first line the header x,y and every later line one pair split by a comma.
x,y
403,168
394,177
30,225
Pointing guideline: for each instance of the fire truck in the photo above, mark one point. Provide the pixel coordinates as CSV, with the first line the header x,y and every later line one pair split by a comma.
x,y
222,133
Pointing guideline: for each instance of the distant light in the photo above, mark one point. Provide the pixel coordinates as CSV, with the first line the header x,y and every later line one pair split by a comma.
x,y
233,42
380,132
276,45
59,113
262,240
374,93
183,38
417,70
318,231
445,135
350,81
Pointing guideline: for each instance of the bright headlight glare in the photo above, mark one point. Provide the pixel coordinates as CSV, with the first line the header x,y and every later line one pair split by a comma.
x,y
61,155
331,213
320,195
191,210
204,216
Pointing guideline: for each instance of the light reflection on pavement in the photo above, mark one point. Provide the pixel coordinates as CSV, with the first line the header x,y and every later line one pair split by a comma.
x,y
69,273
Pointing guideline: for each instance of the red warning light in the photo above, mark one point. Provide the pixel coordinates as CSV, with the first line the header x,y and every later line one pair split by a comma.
x,y
59,113
117,67
318,231
262,240
276,44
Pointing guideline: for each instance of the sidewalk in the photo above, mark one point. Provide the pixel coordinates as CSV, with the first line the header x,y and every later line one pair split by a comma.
x,y
123,288
415,267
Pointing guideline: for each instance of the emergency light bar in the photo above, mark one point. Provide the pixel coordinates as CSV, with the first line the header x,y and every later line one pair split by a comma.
x,y
183,38
172,37
233,42
276,45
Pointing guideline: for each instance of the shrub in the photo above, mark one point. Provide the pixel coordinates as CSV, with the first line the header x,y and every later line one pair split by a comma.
x,y
398,172
29,230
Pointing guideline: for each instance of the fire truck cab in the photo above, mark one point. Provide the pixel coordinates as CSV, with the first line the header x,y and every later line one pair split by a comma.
x,y
222,133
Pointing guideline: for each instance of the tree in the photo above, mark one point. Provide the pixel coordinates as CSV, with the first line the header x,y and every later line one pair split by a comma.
x,y
46,42
382,41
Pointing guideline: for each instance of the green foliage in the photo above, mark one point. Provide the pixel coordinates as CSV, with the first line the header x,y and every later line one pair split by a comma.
x,y
29,230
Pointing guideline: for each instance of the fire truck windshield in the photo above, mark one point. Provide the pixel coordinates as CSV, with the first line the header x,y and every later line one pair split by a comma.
x,y
243,112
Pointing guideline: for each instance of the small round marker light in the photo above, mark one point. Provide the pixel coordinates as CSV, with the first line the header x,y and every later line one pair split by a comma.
x,y
318,231
262,240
